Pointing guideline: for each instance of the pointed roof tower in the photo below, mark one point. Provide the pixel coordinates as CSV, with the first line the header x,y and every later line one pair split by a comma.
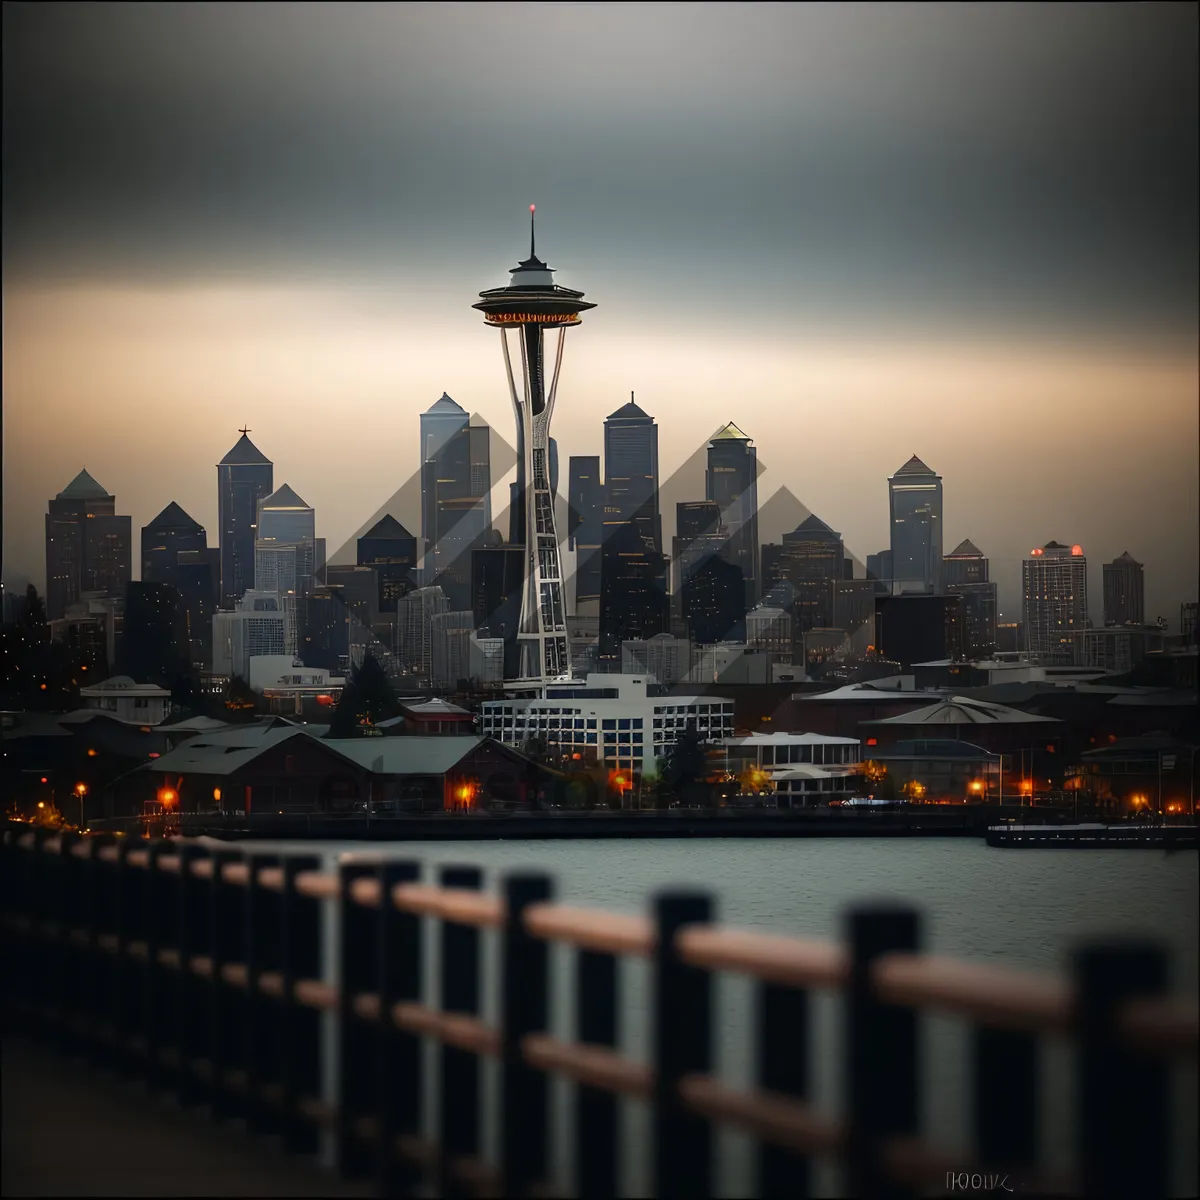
x,y
282,497
386,527
813,524
173,517
83,487
245,454
914,466
444,404
731,433
966,549
629,412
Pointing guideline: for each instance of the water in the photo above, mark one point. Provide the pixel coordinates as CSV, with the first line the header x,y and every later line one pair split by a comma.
x,y
1022,908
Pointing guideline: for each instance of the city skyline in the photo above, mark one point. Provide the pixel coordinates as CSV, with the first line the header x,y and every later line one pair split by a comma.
x,y
1032,344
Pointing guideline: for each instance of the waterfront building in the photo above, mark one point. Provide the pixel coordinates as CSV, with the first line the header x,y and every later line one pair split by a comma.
x,y
1124,591
915,502
289,686
800,770
244,477
531,304
933,769
615,720
88,546
731,480
631,472
1054,601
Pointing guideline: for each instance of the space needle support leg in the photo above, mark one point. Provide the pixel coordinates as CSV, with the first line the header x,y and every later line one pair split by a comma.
x,y
558,355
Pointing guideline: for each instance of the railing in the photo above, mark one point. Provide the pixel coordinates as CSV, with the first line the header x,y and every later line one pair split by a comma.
x,y
201,970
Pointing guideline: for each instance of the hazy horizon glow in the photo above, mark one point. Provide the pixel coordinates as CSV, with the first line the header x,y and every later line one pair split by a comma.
x,y
965,232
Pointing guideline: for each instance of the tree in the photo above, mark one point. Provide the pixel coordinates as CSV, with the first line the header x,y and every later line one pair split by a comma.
x,y
365,701
684,767
240,701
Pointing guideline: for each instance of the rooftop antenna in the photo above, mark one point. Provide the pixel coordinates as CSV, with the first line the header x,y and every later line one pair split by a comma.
x,y
243,431
532,210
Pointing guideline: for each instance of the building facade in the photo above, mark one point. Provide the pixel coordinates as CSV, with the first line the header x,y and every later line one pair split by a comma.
x,y
631,472
731,480
1124,591
915,502
257,625
664,658
88,546
585,525
1054,602
244,477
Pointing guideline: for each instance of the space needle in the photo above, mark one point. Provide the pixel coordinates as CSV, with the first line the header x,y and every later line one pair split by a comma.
x,y
530,304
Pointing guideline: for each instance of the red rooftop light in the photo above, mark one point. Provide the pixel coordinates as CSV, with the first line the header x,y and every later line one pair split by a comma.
x,y
1077,551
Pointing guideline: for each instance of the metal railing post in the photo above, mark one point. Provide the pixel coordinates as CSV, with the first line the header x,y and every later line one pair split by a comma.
x,y
68,974
259,1029
227,944
191,1027
299,1028
1121,1096
1007,1099
881,1049
358,940
399,1066
123,990
782,1066
682,1045
458,1108
525,1004
158,909
596,1108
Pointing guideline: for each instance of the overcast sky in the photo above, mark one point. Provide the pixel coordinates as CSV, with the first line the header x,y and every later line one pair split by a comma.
x,y
967,232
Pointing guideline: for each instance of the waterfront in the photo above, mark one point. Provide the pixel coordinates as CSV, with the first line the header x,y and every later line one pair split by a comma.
x,y
1017,910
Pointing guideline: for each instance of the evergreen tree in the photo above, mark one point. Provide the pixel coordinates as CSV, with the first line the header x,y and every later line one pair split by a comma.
x,y
240,701
367,699
684,769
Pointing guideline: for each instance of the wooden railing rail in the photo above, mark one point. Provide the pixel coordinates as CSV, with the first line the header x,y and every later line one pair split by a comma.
x,y
201,969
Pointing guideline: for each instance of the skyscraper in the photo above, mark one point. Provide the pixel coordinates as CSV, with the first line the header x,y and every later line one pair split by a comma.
x,y
799,573
965,574
631,470
915,499
392,551
439,422
1124,591
457,489
732,481
710,590
244,477
634,603
531,304
585,525
285,546
496,587
88,547
175,551
1054,601
155,646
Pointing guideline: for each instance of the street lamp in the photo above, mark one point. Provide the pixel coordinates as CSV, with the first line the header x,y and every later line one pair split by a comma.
x,y
80,792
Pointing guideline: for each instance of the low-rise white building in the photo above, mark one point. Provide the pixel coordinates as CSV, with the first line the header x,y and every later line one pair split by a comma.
x,y
614,720
128,700
805,769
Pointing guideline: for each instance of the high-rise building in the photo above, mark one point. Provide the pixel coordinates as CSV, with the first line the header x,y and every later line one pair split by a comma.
x,y
198,577
631,471
769,629
496,584
853,603
915,499
457,489
392,551
1124,591
965,574
285,546
88,547
918,628
665,657
444,418
155,647
257,625
879,570
532,303
450,636
171,532
731,480
244,477
634,602
414,624
798,574
1054,601
585,525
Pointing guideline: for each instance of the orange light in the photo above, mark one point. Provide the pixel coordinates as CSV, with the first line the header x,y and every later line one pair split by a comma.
x,y
575,756
41,804
91,753
43,687
154,754
1035,553
44,779
167,796
976,786
216,793
872,742
324,700
81,789
1077,551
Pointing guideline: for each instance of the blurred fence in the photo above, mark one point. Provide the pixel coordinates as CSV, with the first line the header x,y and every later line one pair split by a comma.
x,y
200,970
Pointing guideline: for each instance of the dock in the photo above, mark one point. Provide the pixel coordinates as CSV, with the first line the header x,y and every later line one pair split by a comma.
x,y
1100,837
